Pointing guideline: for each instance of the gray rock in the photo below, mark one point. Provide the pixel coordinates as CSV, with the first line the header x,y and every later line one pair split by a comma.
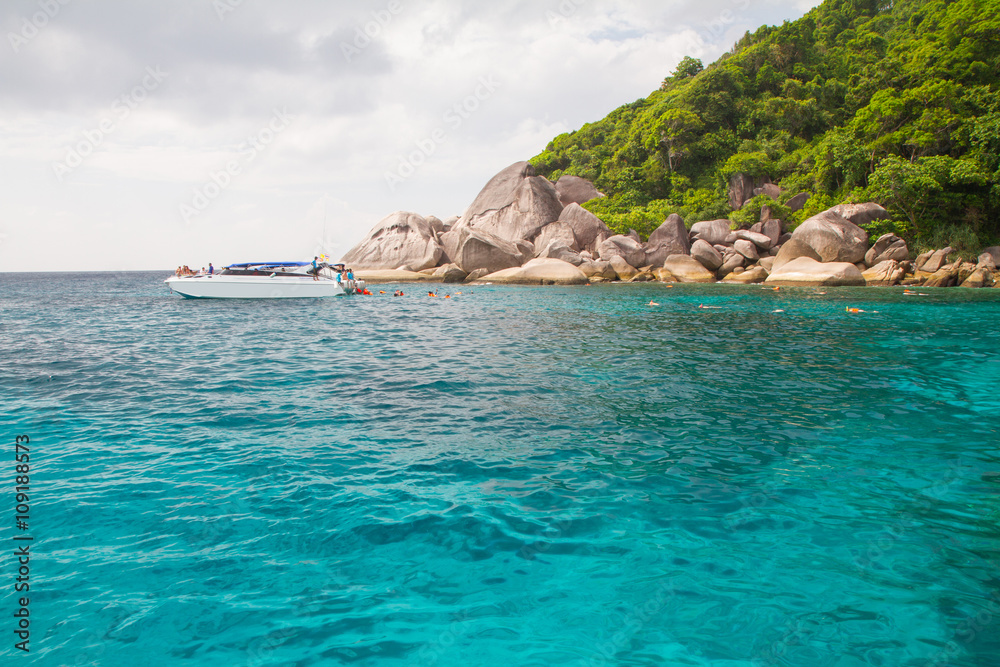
x,y
450,273
706,254
625,247
555,231
944,277
473,249
539,271
772,230
448,223
767,263
981,277
670,238
557,249
687,269
769,189
730,263
833,237
400,239
598,269
885,273
935,261
753,275
478,274
793,249
712,231
587,227
796,203
897,251
747,249
634,235
740,190
514,205
994,252
575,190
435,224
757,227
760,240
807,272
861,214
623,269
987,262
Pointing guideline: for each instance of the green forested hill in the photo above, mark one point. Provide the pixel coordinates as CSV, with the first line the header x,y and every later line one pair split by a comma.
x,y
874,100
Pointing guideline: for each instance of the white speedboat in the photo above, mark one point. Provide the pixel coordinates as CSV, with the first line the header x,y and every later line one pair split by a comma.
x,y
267,280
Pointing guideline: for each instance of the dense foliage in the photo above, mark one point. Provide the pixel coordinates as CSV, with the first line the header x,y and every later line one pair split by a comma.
x,y
895,102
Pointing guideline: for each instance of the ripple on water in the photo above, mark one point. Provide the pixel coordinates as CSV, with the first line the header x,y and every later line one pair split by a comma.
x,y
513,475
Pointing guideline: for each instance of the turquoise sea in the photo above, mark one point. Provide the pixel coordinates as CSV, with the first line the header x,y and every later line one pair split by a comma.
x,y
512,476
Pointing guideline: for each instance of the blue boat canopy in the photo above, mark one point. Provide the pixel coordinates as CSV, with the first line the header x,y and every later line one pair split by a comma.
x,y
267,264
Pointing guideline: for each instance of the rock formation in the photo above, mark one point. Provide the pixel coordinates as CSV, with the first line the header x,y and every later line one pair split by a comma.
x,y
401,240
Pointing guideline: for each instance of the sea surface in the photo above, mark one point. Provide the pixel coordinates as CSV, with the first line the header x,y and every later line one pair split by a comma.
x,y
510,476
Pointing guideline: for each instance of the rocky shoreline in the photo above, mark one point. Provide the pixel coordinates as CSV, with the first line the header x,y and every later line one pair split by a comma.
x,y
524,229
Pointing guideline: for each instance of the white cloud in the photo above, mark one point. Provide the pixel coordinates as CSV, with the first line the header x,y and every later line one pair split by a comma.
x,y
554,65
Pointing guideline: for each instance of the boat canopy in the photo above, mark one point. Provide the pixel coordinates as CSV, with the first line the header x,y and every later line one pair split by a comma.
x,y
275,265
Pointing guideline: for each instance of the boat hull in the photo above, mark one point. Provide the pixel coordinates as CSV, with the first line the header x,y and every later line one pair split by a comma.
x,y
255,287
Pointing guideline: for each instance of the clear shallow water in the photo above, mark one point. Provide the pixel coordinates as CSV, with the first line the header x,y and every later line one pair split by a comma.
x,y
515,476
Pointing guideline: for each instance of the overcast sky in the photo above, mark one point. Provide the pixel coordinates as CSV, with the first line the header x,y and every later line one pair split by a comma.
x,y
146,134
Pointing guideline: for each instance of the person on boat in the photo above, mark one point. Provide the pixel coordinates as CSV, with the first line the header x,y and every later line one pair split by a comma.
x,y
177,273
211,269
315,269
350,274
340,278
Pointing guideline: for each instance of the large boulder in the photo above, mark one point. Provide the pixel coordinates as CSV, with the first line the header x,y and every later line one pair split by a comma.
x,y
740,190
731,261
555,231
623,269
473,249
709,257
887,247
833,237
557,249
588,229
796,203
762,241
539,271
981,277
807,272
747,249
935,260
769,189
944,277
670,238
987,261
994,253
753,275
712,231
793,249
514,205
623,246
450,273
598,269
687,269
861,214
772,230
575,190
884,274
399,239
